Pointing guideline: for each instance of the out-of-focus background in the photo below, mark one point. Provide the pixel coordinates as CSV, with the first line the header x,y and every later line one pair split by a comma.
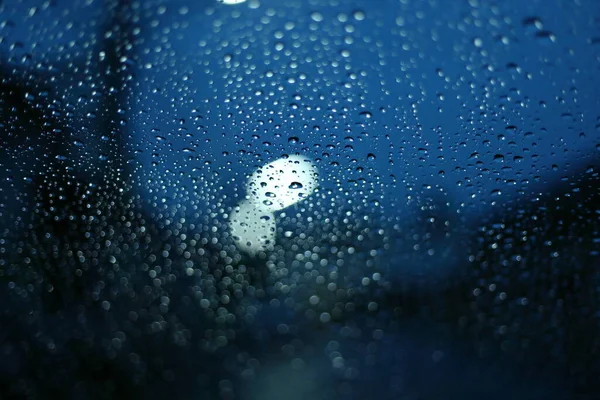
x,y
451,248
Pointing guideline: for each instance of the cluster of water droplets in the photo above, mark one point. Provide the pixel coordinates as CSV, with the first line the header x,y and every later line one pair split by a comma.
x,y
271,188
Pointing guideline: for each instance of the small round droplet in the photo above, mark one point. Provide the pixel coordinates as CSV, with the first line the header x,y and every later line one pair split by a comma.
x,y
365,115
359,15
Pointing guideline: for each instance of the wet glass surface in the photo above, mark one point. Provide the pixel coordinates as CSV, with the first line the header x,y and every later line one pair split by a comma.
x,y
299,199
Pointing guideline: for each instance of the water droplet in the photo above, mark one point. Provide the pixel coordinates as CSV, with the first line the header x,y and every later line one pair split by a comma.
x,y
532,24
545,37
365,115
359,15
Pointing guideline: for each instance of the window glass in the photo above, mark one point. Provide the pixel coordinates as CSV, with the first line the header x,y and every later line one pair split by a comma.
x,y
267,199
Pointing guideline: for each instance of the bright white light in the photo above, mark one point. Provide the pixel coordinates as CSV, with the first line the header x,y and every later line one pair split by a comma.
x,y
282,183
271,188
252,228
231,1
